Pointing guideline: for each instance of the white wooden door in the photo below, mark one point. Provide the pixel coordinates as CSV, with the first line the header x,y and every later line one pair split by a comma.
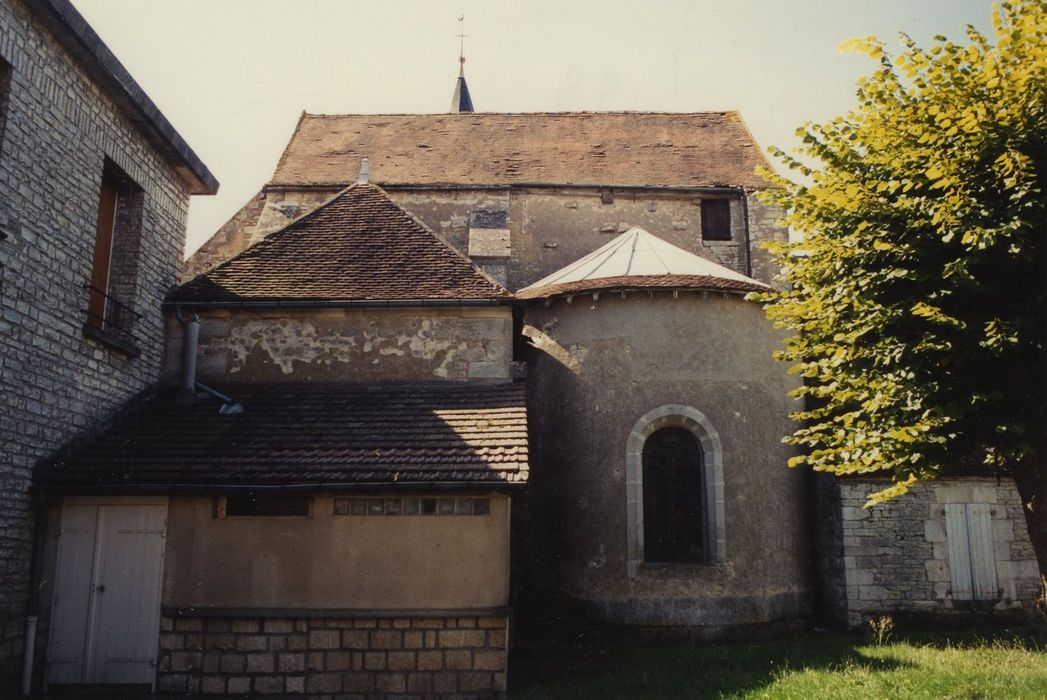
x,y
105,620
972,560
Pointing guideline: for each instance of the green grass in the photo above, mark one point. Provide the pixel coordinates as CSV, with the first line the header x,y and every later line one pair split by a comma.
x,y
1001,663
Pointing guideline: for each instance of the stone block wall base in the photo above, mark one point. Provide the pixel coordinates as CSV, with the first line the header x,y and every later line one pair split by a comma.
x,y
418,657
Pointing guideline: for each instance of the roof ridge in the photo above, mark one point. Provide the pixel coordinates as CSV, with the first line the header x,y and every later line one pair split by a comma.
x,y
294,134
466,115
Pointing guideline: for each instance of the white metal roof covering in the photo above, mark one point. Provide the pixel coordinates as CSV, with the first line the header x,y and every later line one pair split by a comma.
x,y
637,253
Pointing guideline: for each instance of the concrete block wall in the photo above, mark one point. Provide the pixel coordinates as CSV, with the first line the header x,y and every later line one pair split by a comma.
x,y
359,657
896,555
54,382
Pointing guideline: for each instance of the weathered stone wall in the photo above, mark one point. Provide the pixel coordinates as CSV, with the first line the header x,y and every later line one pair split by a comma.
x,y
548,228
896,555
356,344
55,382
597,367
359,657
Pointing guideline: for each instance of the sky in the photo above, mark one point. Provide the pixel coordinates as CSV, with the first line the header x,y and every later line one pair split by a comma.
x,y
233,76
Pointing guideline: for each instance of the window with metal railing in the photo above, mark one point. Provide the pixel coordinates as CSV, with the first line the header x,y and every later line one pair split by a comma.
x,y
114,268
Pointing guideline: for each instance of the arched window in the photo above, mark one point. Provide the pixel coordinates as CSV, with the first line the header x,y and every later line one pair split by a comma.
x,y
674,492
674,525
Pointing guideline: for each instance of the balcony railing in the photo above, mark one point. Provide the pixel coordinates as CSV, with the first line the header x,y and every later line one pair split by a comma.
x,y
110,321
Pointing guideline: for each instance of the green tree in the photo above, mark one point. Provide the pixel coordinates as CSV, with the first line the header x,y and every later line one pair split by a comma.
x,y
917,289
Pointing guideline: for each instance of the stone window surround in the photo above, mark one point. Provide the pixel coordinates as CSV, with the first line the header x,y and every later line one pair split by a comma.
x,y
693,420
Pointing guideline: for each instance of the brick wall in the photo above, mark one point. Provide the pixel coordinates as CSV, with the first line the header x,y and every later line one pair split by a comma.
x,y
358,656
896,555
55,383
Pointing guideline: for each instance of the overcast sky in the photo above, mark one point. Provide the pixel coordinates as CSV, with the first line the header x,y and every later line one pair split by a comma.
x,y
234,75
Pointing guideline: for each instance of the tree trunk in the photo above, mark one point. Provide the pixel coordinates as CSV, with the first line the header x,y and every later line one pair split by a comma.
x,y
1030,476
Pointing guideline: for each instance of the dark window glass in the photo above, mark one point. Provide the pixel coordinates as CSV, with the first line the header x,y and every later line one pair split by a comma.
x,y
716,220
114,266
673,521
273,506
5,93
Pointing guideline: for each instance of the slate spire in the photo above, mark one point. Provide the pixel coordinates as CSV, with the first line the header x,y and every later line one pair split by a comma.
x,y
461,102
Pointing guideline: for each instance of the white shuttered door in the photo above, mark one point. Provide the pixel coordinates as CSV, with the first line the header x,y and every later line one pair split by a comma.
x,y
107,598
972,560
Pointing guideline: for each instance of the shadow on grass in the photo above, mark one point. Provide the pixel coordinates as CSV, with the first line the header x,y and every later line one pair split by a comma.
x,y
572,661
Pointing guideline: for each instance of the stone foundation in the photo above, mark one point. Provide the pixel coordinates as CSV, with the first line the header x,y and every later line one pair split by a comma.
x,y
354,656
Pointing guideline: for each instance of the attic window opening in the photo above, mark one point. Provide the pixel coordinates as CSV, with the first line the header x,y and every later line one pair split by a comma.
x,y
257,505
716,220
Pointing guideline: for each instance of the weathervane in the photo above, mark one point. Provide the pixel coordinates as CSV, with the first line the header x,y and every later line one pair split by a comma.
x,y
461,45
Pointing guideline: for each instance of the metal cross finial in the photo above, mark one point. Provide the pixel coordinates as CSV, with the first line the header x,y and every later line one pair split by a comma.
x,y
461,44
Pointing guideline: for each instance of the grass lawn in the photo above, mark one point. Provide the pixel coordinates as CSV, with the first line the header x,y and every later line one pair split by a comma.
x,y
989,663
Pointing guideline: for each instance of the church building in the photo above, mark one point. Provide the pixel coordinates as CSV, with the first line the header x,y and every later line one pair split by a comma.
x,y
444,370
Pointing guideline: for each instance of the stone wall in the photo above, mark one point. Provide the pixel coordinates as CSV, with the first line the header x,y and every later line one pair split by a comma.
x,y
55,383
547,228
896,555
387,656
355,344
598,370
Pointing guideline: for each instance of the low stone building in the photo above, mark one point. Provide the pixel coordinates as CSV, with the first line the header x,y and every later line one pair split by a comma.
x,y
947,548
94,191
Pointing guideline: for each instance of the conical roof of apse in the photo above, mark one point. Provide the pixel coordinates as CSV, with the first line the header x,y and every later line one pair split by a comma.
x,y
640,260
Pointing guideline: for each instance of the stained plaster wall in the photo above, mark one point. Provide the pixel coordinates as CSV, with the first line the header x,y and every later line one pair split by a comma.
x,y
54,382
356,344
596,367
893,558
329,561
548,228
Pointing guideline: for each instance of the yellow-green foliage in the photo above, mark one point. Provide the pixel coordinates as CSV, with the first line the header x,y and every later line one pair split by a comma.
x,y
916,281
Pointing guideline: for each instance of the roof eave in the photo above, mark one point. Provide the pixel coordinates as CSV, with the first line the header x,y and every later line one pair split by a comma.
x,y
123,488
172,304
78,38
539,295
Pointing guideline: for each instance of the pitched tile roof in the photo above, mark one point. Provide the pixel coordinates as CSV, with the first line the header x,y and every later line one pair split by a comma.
x,y
639,260
359,246
706,149
306,434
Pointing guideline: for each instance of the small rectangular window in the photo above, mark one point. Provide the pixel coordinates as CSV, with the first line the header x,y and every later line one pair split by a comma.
x,y
5,96
257,505
716,220
114,266
412,505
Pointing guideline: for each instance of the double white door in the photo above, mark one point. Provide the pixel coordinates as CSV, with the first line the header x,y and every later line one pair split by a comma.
x,y
105,619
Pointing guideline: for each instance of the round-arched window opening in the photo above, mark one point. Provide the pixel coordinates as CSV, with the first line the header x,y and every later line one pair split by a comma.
x,y
674,520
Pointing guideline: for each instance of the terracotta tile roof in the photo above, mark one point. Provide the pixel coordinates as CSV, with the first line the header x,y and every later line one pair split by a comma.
x,y
706,149
627,282
359,246
309,433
